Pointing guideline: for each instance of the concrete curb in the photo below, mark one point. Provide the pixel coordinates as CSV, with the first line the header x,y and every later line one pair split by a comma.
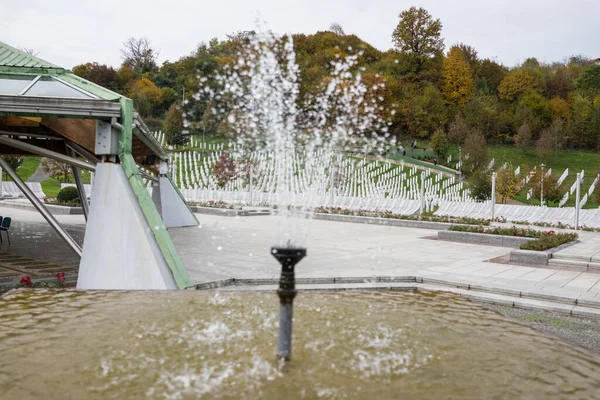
x,y
574,304
228,212
404,223
483,238
537,257
54,209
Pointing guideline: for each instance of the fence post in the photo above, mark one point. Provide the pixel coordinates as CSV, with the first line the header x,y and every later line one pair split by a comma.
x,y
493,195
577,200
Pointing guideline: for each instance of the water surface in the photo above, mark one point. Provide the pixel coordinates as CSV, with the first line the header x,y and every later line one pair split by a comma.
x,y
189,345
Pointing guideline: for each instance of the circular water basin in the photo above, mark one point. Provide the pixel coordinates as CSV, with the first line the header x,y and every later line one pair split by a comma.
x,y
346,345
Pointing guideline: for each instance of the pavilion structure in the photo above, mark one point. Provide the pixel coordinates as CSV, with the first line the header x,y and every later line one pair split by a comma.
x,y
47,111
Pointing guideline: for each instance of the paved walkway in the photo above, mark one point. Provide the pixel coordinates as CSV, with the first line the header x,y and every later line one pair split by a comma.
x,y
39,175
225,248
239,247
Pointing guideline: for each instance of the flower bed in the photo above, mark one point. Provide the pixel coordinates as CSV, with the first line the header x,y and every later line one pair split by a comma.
x,y
391,215
549,240
211,204
59,281
512,231
543,240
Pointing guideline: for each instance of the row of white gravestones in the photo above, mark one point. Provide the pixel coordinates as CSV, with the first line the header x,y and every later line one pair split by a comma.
x,y
362,178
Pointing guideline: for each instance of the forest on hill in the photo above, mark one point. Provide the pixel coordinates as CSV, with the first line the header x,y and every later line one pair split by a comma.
x,y
432,88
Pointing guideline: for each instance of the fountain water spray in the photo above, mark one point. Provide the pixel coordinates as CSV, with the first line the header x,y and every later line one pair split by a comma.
x,y
258,98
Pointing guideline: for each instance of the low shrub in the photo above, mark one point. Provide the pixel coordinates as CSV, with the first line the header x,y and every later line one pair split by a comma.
x,y
211,204
512,231
549,240
543,240
68,196
391,215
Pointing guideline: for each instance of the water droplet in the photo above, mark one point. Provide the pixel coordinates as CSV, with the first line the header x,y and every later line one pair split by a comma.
x,y
219,248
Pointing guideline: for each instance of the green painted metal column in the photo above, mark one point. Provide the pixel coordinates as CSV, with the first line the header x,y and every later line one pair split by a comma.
x,y
145,201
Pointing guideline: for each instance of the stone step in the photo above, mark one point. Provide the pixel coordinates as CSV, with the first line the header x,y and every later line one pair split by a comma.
x,y
574,257
584,265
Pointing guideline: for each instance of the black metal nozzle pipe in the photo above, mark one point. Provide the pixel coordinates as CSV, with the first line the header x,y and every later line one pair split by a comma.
x,y
288,258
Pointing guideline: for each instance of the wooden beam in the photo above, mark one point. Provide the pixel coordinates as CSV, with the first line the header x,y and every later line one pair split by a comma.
x,y
21,121
80,131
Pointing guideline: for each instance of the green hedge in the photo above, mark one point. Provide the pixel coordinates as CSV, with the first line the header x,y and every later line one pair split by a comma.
x,y
68,196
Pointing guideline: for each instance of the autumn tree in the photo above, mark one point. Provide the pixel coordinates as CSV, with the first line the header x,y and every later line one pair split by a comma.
x,y
458,78
508,185
146,96
580,121
100,74
588,82
559,84
470,56
517,82
544,145
539,182
439,143
56,169
557,132
480,186
475,154
492,72
337,29
524,138
139,55
458,130
419,36
173,127
426,112
484,112
224,170
559,108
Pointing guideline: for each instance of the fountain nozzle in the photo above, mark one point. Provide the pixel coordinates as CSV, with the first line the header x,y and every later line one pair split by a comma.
x,y
288,258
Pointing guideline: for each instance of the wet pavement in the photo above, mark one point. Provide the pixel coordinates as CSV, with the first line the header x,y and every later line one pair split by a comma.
x,y
35,248
239,247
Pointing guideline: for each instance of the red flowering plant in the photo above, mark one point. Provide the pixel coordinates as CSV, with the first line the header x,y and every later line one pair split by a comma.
x,y
59,282
25,281
60,277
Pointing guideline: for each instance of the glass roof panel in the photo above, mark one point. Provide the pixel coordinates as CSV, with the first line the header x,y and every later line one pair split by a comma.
x,y
13,85
48,87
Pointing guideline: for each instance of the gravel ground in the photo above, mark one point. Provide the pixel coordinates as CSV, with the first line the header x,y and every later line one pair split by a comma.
x,y
580,331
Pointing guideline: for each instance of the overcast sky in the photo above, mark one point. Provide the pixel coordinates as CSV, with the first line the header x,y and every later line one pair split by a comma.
x,y
71,32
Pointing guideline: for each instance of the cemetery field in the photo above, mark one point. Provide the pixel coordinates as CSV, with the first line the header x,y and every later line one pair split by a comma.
x,y
575,161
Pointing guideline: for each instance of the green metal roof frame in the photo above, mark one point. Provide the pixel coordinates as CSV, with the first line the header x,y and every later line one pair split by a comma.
x,y
16,62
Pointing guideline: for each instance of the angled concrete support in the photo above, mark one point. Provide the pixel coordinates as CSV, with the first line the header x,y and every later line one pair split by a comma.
x,y
170,203
40,207
120,250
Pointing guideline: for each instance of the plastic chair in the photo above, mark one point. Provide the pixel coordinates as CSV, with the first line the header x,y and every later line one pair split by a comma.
x,y
4,227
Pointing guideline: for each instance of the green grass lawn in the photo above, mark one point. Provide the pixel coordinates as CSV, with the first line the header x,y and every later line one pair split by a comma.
x,y
51,187
575,160
26,169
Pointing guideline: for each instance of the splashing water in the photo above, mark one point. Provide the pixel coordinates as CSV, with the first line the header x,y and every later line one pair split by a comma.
x,y
259,98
